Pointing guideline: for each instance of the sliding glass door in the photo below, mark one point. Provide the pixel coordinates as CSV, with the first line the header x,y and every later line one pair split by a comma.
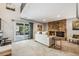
x,y
24,31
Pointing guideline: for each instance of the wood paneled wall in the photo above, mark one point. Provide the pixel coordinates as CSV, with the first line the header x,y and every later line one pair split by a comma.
x,y
57,26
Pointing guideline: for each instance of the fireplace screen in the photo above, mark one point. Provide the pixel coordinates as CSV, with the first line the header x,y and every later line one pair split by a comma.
x,y
60,34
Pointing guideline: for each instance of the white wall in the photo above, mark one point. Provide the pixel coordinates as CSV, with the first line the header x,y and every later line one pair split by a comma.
x,y
35,27
70,30
7,16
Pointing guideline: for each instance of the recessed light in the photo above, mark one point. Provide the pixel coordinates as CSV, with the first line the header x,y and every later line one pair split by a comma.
x,y
44,19
58,16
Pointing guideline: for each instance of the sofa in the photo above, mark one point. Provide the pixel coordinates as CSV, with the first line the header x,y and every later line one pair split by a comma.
x,y
74,39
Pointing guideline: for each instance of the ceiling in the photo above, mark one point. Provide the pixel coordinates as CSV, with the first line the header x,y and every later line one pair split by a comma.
x,y
46,12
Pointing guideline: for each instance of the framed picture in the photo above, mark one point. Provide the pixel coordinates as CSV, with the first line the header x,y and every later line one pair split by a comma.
x,y
39,27
75,25
10,6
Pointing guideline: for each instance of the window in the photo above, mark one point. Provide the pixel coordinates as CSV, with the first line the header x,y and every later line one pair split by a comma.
x,y
22,29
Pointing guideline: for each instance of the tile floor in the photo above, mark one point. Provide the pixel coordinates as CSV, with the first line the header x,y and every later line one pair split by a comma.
x,y
32,48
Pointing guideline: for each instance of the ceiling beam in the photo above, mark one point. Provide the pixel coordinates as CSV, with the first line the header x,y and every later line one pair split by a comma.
x,y
22,6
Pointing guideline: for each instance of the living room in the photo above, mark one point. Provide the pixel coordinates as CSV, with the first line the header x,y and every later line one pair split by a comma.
x,y
40,28
59,26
